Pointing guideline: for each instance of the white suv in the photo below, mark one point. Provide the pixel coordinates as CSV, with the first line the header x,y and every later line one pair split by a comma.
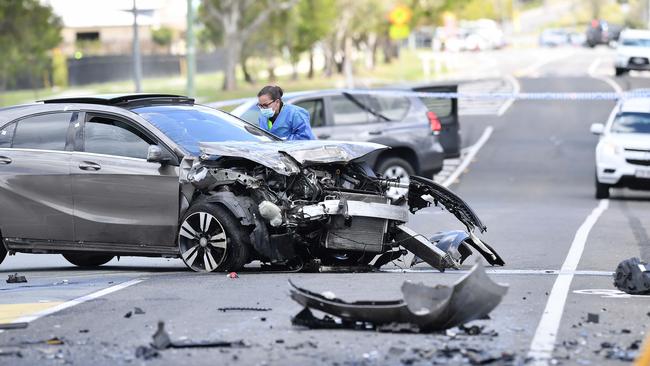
x,y
633,51
623,152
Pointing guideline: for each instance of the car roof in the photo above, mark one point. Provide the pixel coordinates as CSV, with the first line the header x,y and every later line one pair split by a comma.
x,y
123,99
635,33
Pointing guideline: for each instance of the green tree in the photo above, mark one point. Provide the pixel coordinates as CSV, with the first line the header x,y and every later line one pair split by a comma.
x,y
313,21
234,22
28,31
162,36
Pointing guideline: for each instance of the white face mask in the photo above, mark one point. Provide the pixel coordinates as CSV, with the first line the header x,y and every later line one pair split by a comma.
x,y
267,112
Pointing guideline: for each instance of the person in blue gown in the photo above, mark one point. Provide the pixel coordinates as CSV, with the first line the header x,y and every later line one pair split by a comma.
x,y
286,121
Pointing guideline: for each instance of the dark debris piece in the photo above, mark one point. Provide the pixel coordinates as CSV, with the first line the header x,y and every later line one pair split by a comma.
x,y
7,326
11,353
146,353
593,318
138,311
15,278
161,340
234,308
128,314
633,277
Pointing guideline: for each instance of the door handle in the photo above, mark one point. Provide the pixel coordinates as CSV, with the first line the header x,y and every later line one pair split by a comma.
x,y
5,160
88,165
374,132
324,136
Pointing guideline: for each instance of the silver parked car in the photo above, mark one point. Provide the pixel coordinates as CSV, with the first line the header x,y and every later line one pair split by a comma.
x,y
157,175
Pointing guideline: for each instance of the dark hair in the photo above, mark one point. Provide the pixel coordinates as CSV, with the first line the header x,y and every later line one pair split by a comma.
x,y
274,91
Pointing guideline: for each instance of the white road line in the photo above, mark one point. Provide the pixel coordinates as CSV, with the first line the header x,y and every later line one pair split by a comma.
x,y
516,88
543,344
473,150
594,66
77,301
592,73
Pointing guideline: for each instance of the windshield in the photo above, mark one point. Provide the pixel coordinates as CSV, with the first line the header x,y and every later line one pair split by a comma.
x,y
188,125
631,123
636,42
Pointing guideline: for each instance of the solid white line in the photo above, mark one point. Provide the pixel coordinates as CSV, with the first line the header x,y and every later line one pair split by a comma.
x,y
77,301
592,73
473,150
516,88
541,348
594,66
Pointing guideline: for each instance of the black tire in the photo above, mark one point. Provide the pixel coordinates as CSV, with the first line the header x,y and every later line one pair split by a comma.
x,y
386,163
621,71
630,279
602,190
227,252
87,259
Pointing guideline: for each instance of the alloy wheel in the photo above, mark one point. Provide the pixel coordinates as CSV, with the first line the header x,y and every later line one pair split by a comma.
x,y
202,242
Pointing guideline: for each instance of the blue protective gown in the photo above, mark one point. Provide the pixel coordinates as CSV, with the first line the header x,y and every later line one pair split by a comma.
x,y
291,124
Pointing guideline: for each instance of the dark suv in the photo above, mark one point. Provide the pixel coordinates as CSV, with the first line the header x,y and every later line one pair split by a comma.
x,y
420,131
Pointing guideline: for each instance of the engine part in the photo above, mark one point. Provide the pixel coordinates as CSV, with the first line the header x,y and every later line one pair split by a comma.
x,y
271,212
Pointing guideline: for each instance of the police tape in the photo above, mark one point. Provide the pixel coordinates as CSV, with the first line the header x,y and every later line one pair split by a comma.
x,y
355,94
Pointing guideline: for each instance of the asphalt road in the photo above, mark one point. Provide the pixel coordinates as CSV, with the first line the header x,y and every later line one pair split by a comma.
x,y
531,183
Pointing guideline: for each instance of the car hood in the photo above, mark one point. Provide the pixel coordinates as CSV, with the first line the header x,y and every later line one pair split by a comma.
x,y
281,156
636,141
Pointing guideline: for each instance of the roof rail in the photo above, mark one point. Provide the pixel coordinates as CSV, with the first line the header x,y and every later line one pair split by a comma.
x,y
123,99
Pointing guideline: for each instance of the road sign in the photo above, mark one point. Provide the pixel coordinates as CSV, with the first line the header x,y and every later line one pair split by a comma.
x,y
399,31
400,15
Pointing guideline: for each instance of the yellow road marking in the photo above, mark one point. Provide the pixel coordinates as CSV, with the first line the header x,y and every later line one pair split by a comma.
x,y
11,312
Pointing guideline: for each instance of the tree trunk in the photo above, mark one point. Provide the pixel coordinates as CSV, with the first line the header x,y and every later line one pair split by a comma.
x,y
247,76
232,45
310,74
294,71
347,62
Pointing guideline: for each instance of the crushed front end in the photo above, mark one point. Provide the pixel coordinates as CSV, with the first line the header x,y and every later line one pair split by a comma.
x,y
316,203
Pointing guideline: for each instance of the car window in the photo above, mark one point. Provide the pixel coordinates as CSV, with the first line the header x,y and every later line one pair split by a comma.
x,y
44,132
7,134
252,115
636,42
346,112
316,111
190,125
393,108
441,107
105,135
631,123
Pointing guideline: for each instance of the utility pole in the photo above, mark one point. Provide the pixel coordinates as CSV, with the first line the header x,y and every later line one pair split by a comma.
x,y
191,50
137,61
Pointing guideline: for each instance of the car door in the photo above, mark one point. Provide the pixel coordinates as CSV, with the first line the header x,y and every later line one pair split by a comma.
x,y
446,110
35,184
119,197
349,120
317,116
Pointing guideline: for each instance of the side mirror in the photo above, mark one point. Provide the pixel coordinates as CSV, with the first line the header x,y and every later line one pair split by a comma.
x,y
155,154
597,128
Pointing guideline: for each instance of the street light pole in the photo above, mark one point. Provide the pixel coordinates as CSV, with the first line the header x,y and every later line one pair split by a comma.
x,y
191,51
137,61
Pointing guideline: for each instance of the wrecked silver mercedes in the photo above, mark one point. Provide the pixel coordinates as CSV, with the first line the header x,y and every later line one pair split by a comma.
x,y
128,175
301,204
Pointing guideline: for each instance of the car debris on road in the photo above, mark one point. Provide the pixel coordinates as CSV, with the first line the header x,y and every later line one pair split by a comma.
x,y
633,277
423,308
162,340
15,278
